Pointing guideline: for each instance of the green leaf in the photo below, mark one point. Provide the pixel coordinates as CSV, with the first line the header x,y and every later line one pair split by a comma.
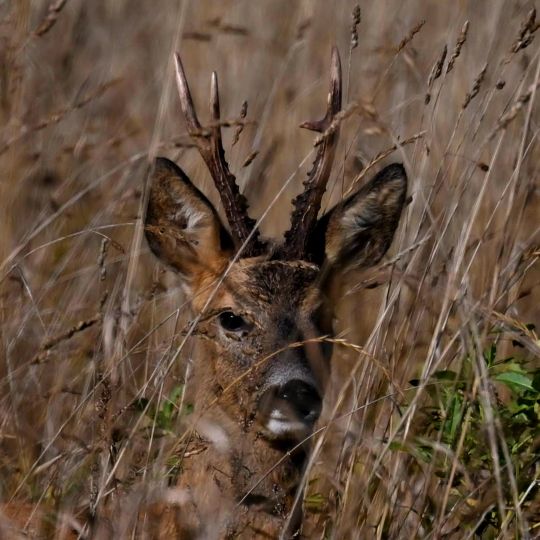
x,y
536,381
445,375
398,446
454,417
166,414
315,502
490,354
177,393
425,453
515,380
511,365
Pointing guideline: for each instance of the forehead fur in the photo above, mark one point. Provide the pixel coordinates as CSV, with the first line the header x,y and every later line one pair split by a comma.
x,y
258,283
272,281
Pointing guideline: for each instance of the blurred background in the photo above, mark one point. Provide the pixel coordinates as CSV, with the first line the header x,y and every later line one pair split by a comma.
x,y
94,389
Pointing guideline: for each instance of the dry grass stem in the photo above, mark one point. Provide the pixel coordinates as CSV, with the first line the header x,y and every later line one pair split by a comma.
x,y
475,88
436,72
430,425
457,49
356,19
53,12
409,37
526,32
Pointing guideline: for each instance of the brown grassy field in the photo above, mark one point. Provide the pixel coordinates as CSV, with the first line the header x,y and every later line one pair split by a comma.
x,y
430,428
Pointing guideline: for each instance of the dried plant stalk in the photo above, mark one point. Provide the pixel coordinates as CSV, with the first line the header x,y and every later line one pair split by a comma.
x,y
64,336
476,87
457,49
509,115
50,19
356,19
409,37
250,158
101,259
59,115
526,32
240,128
436,71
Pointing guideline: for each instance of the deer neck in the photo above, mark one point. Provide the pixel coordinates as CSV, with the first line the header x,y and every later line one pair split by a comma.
x,y
247,467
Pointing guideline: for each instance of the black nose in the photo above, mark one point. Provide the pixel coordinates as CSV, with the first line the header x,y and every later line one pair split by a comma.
x,y
303,397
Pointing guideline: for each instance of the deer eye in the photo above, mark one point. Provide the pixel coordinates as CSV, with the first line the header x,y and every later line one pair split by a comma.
x,y
233,323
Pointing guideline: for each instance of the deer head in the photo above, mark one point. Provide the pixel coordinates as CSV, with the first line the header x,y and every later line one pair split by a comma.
x,y
272,296
264,305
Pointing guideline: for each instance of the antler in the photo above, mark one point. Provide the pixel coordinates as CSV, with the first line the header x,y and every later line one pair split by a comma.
x,y
308,203
210,147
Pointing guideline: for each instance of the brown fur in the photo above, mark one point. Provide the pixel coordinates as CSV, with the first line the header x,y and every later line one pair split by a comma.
x,y
238,477
24,520
227,401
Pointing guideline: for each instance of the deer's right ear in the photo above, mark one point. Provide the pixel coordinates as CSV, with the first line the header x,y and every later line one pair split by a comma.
x,y
182,227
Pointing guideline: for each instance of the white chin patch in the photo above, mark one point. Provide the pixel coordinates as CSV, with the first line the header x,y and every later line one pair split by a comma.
x,y
279,425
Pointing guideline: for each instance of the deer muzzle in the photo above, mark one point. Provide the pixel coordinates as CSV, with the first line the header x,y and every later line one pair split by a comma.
x,y
291,403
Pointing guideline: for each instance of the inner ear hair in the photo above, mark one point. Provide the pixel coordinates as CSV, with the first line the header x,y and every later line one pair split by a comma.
x,y
357,232
181,225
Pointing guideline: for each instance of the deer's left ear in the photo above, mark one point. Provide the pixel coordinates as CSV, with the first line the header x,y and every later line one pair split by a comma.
x,y
357,232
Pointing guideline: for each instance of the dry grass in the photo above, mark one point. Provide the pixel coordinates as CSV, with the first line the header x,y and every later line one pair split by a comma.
x,y
91,323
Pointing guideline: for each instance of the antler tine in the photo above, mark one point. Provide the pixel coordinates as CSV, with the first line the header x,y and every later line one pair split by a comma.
x,y
210,145
214,103
308,203
186,101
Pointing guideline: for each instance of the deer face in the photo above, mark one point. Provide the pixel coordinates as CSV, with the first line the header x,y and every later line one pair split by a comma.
x,y
262,334
264,316
263,320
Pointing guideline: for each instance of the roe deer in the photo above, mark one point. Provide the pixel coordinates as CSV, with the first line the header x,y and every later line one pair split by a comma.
x,y
258,396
